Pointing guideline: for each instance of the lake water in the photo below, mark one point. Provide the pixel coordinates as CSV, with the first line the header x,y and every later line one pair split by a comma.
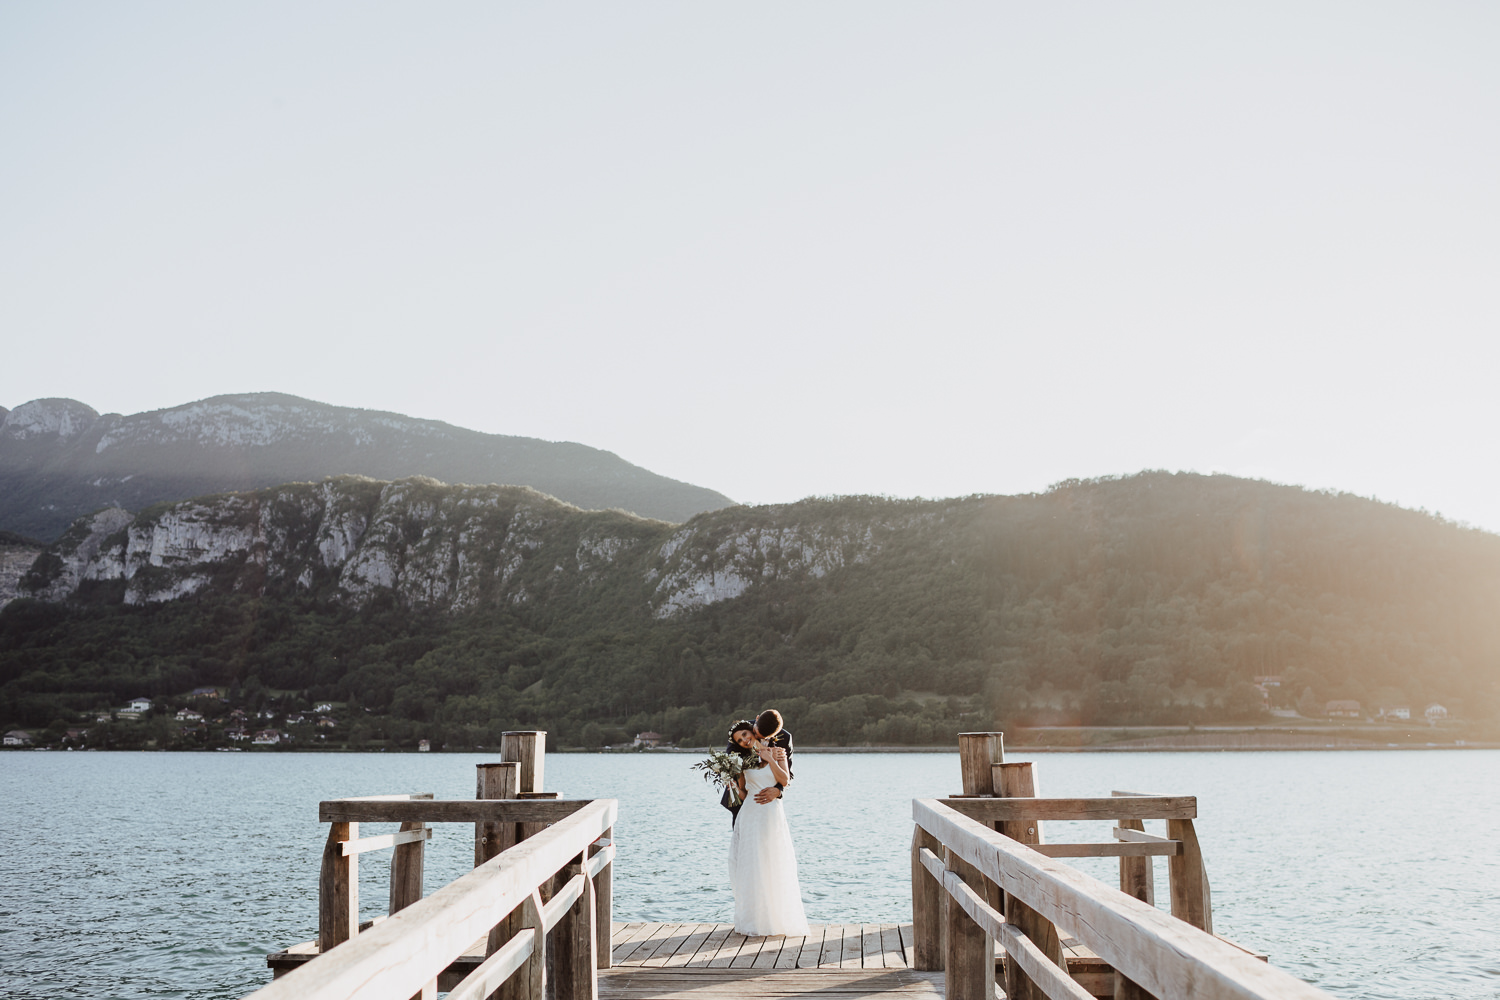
x,y
1371,874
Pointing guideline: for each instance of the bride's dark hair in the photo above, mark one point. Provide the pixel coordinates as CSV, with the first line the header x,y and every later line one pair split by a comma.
x,y
745,724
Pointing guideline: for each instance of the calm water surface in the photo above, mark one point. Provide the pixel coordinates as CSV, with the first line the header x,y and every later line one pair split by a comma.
x,y
172,875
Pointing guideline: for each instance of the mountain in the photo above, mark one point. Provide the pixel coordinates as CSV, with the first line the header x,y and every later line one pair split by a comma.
x,y
466,610
59,459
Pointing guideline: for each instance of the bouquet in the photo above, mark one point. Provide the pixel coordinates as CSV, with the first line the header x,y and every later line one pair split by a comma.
x,y
724,768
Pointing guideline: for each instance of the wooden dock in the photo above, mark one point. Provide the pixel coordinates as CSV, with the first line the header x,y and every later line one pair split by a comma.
x,y
698,961
996,911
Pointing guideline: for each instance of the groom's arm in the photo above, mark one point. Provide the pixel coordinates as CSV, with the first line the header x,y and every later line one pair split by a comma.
x,y
766,794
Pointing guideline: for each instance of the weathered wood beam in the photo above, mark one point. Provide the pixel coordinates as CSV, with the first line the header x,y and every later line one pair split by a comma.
x,y
448,810
379,843
1135,807
1145,849
399,956
1166,956
1133,835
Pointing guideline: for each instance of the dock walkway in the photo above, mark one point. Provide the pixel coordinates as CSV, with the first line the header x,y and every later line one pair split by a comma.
x,y
698,961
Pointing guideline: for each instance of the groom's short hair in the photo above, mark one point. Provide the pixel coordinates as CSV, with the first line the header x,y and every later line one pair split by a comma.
x,y
768,723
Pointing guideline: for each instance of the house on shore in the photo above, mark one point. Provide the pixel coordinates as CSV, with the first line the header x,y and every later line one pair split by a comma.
x,y
18,738
648,739
1435,713
1344,708
266,738
1394,713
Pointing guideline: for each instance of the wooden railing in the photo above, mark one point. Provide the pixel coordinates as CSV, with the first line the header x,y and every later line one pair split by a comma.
x,y
504,897
982,874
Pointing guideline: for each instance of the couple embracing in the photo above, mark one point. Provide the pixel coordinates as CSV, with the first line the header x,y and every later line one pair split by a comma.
x,y
762,862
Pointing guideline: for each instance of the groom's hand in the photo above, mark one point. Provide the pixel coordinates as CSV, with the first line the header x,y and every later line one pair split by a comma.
x,y
768,795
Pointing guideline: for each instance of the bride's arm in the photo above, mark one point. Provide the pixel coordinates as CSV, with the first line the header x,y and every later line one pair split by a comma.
x,y
778,767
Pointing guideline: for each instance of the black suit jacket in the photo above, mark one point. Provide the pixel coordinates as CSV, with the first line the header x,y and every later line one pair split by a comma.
x,y
782,739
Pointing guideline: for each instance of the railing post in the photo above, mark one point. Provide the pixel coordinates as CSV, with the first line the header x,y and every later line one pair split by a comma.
x,y
1019,781
533,984
1188,879
338,888
407,863
969,953
525,754
497,781
1137,875
494,781
574,963
927,916
979,755
406,870
604,908
1138,879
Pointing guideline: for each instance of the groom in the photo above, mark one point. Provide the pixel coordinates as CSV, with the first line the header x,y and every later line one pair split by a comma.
x,y
768,728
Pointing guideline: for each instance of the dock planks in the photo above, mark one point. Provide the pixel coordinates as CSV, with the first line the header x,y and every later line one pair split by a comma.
x,y
717,946
696,961
636,982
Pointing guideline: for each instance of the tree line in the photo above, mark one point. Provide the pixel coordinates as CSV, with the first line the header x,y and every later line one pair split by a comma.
x,y
1150,599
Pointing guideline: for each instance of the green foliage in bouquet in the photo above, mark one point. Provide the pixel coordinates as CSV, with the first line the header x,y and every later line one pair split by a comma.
x,y
724,768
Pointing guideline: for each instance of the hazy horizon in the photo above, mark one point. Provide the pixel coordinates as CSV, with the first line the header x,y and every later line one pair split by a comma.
x,y
783,252
1042,489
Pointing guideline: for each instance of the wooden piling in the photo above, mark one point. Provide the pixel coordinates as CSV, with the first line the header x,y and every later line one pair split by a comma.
x,y
1138,879
407,862
574,962
494,781
1019,780
338,888
604,905
927,908
529,750
969,953
976,753
522,757
1188,878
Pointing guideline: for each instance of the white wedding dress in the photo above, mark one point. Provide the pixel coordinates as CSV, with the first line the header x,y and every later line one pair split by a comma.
x,y
763,866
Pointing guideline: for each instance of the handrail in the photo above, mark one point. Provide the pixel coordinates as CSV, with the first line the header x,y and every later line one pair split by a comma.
x,y
994,810
390,810
1166,957
401,955
1049,977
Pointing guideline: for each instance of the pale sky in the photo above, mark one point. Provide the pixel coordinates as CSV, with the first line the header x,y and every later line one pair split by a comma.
x,y
918,249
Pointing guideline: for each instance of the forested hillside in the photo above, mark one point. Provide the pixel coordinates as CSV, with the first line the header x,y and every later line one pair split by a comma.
x,y
458,612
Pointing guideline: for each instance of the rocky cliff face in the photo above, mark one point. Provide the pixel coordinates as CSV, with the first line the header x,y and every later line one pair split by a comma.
x,y
60,459
426,544
15,560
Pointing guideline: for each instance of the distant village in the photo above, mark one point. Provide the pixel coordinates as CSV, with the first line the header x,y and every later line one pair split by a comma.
x,y
205,719
1344,708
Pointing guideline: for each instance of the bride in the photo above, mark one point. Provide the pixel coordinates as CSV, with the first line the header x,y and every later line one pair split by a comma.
x,y
762,862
